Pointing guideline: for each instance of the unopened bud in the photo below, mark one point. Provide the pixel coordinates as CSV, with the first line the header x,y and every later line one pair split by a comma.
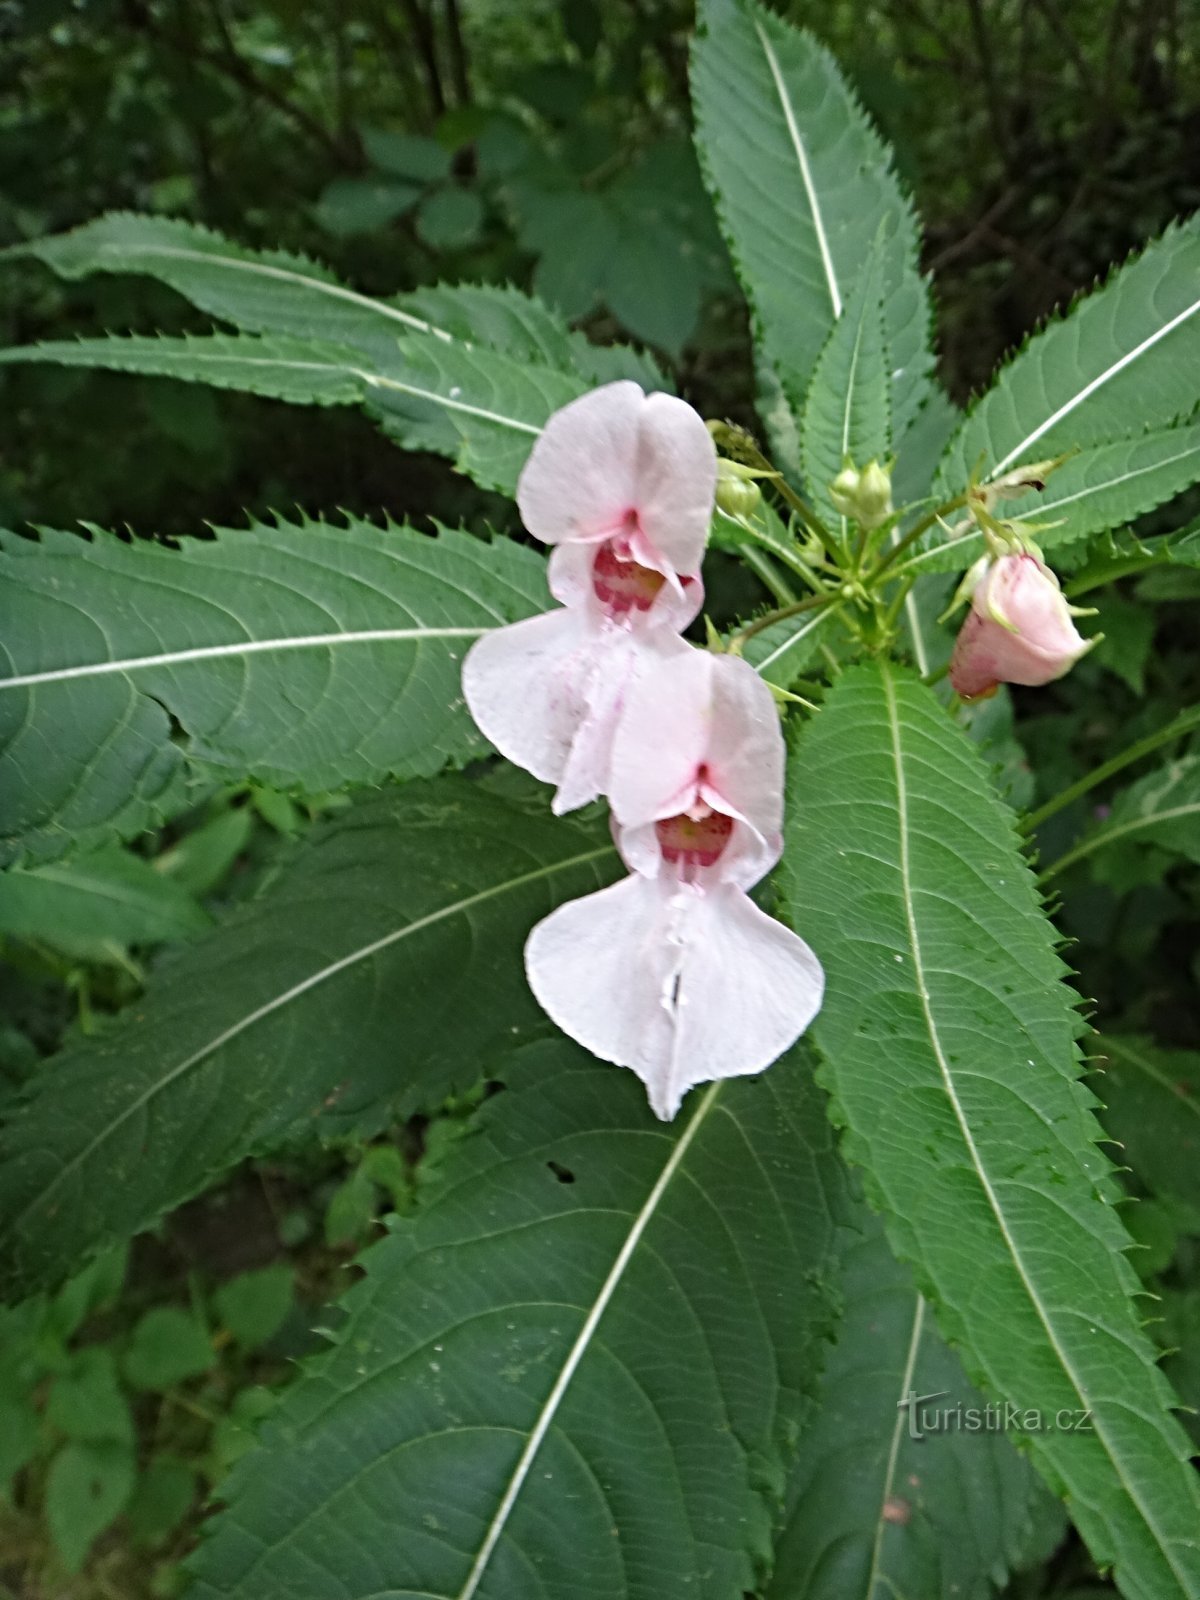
x,y
875,496
865,497
737,493
843,491
1019,628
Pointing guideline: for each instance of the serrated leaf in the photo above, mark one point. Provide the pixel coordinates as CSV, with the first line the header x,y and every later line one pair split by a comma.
x,y
110,898
575,1372
314,1006
803,186
259,291
315,322
276,367
948,1038
497,406
1161,809
308,656
846,410
1101,486
1151,1097
883,1499
1125,354
782,652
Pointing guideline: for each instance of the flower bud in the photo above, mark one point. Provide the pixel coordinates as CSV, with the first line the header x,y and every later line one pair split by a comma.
x,y
865,497
737,493
1019,629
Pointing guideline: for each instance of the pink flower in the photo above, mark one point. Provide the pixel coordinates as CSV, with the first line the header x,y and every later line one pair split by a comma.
x,y
674,971
1019,629
622,483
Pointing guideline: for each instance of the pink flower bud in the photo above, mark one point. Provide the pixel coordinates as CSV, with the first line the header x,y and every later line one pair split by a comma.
x,y
1019,630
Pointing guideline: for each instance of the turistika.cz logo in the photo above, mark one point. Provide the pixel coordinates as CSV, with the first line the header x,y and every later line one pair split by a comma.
x,y
925,1417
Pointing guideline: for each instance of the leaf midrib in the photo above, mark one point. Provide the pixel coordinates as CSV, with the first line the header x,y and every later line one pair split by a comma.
x,y
806,177
1119,830
216,652
977,1164
1090,388
279,1001
889,1479
284,274
583,1339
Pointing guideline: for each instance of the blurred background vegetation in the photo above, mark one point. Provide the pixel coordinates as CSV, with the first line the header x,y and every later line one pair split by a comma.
x,y
544,144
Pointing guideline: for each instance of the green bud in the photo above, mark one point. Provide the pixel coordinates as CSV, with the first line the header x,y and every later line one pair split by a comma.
x,y
864,497
737,493
875,496
843,491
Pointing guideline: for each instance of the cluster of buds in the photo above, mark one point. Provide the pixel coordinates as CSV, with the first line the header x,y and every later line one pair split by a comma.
x,y
864,497
673,971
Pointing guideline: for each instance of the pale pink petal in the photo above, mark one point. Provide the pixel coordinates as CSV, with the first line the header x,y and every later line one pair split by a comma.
x,y
662,740
1019,630
598,967
617,462
581,477
748,989
676,481
681,985
569,574
745,755
526,686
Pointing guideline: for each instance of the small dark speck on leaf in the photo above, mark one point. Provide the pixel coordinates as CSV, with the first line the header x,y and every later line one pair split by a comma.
x,y
563,1174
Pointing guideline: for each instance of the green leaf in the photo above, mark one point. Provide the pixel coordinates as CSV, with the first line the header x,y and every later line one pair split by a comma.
x,y
846,412
1161,809
884,1499
202,857
308,656
329,344
258,291
804,187
86,1487
86,1401
168,1345
948,1037
449,219
598,1322
782,652
1127,353
350,206
406,155
1152,1106
281,368
95,905
1101,486
368,977
1128,639
496,405
255,1305
20,1437
164,1496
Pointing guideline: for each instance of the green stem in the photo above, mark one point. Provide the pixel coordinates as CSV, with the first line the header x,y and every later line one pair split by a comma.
x,y
771,617
914,533
768,573
799,505
1183,723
